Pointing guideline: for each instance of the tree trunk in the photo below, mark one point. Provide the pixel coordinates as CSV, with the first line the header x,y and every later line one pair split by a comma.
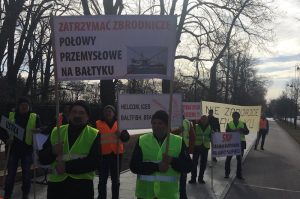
x,y
107,87
166,83
212,94
47,74
227,77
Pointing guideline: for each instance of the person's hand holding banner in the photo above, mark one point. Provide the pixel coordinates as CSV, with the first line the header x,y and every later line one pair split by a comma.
x,y
57,149
60,167
164,164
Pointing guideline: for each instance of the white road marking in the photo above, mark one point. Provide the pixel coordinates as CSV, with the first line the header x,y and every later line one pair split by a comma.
x,y
270,188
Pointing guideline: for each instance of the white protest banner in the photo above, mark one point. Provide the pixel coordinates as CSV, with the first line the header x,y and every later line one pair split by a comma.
x,y
192,110
135,110
11,127
226,144
114,47
249,114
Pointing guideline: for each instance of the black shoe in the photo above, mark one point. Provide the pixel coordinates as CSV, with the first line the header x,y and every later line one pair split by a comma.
x,y
226,176
25,197
201,181
183,197
255,148
6,196
240,177
214,160
192,181
262,148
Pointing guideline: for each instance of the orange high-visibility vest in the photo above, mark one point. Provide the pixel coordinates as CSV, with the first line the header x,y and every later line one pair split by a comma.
x,y
263,124
109,139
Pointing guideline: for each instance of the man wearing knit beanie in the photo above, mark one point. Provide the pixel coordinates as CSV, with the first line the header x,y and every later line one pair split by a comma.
x,y
152,164
112,151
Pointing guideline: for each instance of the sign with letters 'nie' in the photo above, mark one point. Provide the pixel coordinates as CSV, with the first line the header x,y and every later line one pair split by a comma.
x,y
249,114
114,47
11,127
135,110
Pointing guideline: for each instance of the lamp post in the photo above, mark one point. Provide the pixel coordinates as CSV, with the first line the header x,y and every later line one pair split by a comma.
x,y
296,94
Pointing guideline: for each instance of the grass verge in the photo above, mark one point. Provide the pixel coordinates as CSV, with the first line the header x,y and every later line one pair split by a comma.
x,y
295,133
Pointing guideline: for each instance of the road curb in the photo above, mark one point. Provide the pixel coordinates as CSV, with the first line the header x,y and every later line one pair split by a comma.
x,y
232,177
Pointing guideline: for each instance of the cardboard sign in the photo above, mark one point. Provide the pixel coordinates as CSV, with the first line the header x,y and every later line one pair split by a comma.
x,y
249,114
11,127
114,47
135,110
226,144
192,110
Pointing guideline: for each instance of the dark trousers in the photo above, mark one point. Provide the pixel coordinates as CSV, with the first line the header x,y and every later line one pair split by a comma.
x,y
182,186
109,166
203,152
260,134
12,165
239,164
71,189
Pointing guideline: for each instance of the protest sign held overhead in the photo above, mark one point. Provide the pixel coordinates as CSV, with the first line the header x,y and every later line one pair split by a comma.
x,y
226,144
135,110
249,114
114,47
11,127
192,110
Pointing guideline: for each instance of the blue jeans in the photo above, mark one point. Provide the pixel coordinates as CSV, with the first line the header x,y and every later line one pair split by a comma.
x,y
12,165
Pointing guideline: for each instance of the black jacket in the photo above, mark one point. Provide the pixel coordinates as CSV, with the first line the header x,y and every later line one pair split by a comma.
x,y
77,166
214,123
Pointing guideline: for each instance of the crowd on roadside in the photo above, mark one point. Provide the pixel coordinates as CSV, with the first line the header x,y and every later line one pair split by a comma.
x,y
75,150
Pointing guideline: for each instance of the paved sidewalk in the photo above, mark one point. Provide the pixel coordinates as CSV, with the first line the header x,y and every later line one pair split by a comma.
x,y
195,191
273,172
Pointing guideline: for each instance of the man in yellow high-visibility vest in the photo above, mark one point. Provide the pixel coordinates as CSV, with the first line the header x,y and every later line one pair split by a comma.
x,y
75,159
158,172
236,126
21,150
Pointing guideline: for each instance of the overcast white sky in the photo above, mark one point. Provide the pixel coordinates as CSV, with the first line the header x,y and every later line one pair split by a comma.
x,y
279,66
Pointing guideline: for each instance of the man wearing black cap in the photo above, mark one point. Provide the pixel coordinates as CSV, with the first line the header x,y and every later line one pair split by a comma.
x,y
112,150
20,149
158,172
75,158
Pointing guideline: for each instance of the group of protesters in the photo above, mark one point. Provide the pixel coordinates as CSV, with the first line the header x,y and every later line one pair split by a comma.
x,y
75,150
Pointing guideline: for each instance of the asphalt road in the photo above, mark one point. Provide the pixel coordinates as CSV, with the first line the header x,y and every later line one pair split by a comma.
x,y
273,173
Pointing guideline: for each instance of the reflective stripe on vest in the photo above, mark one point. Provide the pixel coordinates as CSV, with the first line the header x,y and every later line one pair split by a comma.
x,y
151,178
66,157
203,138
109,140
239,126
79,149
158,185
31,124
186,131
